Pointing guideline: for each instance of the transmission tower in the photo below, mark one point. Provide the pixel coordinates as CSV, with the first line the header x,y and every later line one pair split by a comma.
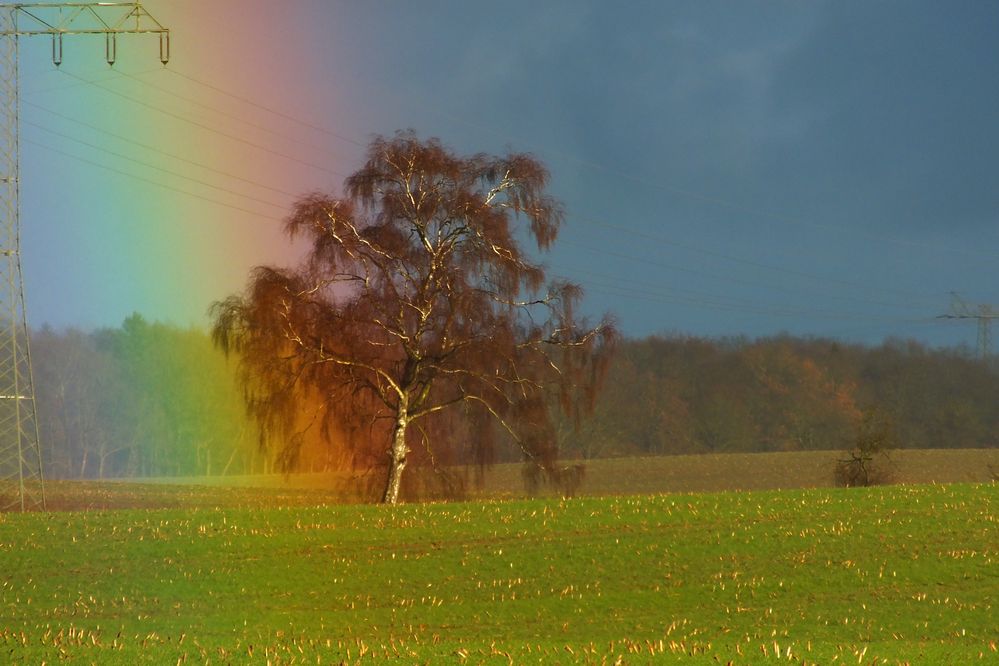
x,y
985,314
21,478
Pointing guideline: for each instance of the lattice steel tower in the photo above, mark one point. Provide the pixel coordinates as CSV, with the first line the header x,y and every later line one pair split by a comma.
x,y
21,478
985,314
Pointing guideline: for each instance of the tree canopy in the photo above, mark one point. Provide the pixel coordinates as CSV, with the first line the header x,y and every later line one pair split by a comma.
x,y
417,325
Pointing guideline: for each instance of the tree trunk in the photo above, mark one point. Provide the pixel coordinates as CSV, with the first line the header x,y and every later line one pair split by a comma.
x,y
225,470
397,456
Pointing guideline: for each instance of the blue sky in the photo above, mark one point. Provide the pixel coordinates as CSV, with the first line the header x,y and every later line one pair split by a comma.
x,y
750,168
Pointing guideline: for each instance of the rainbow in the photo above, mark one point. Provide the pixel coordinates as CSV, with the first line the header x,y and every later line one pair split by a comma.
x,y
156,189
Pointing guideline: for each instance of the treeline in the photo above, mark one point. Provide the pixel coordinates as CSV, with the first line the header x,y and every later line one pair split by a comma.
x,y
145,399
691,395
150,399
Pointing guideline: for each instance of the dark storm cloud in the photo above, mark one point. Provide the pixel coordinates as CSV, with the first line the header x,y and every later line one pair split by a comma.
x,y
902,105
727,167
746,144
848,113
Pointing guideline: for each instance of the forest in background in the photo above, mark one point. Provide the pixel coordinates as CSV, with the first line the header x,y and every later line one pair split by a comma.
x,y
679,394
150,399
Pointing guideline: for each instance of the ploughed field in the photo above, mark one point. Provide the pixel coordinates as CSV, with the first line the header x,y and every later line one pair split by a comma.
x,y
609,476
884,575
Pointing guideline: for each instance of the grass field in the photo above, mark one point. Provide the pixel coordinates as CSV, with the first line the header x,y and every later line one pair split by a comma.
x,y
886,575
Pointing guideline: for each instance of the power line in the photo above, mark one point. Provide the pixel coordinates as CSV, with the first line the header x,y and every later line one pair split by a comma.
x,y
151,181
748,262
146,146
63,85
21,472
605,252
716,302
207,127
691,248
276,112
745,308
153,166
714,254
609,289
984,314
660,185
694,295
213,109
596,165
786,271
714,200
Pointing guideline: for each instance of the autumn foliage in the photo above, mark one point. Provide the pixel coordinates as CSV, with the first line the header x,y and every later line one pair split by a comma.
x,y
681,394
153,400
417,327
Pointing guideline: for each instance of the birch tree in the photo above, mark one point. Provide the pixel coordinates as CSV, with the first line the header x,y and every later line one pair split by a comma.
x,y
416,307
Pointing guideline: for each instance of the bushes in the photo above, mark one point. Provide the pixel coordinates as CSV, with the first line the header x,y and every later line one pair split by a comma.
x,y
868,462
564,480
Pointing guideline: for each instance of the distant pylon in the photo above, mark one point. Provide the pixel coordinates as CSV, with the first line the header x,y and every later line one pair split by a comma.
x,y
21,478
985,314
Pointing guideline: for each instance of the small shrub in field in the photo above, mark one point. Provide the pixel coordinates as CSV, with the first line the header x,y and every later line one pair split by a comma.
x,y
565,480
868,462
569,479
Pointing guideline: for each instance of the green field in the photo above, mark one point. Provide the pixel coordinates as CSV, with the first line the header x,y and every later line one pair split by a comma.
x,y
886,575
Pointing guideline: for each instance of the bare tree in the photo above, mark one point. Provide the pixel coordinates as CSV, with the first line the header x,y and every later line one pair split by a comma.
x,y
416,315
868,462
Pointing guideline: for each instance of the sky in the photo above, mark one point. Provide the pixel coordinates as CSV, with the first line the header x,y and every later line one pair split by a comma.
x,y
727,168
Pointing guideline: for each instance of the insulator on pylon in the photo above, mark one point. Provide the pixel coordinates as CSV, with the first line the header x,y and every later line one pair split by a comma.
x,y
111,48
57,49
164,47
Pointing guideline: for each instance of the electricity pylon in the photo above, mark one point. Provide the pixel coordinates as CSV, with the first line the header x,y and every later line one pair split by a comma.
x,y
21,478
985,314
